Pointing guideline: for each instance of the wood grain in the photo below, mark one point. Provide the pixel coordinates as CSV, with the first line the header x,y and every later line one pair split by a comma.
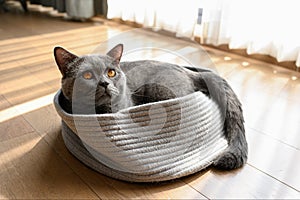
x,y
30,169
245,183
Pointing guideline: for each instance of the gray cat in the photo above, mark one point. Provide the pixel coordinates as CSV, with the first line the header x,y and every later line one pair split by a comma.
x,y
102,84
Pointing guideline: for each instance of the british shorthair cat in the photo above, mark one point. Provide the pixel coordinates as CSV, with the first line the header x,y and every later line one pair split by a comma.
x,y
102,84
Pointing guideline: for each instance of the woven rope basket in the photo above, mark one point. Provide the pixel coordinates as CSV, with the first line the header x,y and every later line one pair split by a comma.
x,y
148,143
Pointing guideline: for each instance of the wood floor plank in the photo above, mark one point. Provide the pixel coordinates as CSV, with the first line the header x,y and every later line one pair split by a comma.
x,y
274,114
221,66
32,38
278,118
282,163
281,122
36,24
25,89
4,103
30,169
45,45
47,51
259,78
245,183
292,90
14,128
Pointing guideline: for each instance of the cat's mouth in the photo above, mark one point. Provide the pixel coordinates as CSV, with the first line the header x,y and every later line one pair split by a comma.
x,y
106,92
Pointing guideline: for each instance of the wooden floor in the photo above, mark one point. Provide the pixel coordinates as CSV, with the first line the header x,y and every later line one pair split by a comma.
x,y
35,164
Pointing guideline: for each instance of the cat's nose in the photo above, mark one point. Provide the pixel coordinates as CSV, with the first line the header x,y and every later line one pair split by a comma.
x,y
103,84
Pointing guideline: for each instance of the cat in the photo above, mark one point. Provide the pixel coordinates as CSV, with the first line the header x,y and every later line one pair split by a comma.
x,y
102,84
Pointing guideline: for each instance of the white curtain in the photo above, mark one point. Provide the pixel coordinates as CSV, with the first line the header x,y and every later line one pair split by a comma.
x,y
175,16
263,27
259,26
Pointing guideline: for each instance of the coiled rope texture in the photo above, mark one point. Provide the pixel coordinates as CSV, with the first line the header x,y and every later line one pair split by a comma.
x,y
148,143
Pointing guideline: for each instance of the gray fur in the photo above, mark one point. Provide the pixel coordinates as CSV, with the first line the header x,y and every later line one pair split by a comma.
x,y
147,81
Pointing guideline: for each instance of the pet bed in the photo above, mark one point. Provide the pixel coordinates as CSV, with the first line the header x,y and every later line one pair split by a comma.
x,y
148,143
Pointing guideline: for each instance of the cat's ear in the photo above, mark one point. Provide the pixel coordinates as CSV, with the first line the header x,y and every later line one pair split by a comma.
x,y
63,58
116,52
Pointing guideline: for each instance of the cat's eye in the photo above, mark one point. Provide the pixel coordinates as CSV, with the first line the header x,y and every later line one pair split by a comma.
x,y
87,75
111,73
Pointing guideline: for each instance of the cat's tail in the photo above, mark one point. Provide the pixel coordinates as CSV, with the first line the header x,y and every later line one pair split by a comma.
x,y
219,90
236,153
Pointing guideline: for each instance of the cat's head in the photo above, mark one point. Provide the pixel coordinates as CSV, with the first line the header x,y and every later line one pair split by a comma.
x,y
91,80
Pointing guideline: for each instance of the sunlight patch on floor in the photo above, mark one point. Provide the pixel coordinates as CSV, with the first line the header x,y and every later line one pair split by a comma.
x,y
26,107
11,150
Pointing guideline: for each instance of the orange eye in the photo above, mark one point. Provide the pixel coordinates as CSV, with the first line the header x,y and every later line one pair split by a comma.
x,y
87,75
111,73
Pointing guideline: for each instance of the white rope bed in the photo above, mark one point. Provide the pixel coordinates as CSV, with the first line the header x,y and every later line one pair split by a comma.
x,y
153,142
